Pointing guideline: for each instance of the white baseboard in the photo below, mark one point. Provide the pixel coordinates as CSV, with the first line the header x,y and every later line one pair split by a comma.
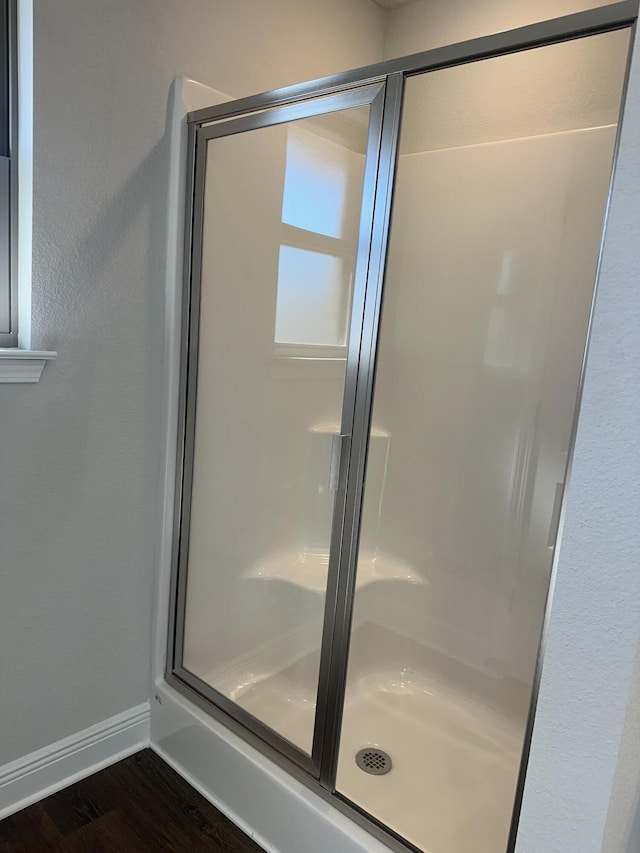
x,y
38,774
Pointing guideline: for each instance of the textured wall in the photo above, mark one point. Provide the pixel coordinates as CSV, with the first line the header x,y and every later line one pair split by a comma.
x,y
80,453
622,832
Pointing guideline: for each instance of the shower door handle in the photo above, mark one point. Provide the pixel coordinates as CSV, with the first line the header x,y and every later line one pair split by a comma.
x,y
339,447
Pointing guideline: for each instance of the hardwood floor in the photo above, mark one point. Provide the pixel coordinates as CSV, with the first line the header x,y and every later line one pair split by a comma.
x,y
139,805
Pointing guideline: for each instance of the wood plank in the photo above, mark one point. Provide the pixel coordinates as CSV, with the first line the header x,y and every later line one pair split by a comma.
x,y
28,831
110,833
139,805
203,826
78,805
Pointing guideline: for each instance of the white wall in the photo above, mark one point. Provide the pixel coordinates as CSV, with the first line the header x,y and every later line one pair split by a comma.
x,y
622,830
431,23
80,453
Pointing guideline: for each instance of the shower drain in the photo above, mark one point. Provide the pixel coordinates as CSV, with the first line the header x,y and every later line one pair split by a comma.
x,y
375,761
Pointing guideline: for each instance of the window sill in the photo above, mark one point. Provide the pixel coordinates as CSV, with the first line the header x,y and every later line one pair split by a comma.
x,y
310,352
18,365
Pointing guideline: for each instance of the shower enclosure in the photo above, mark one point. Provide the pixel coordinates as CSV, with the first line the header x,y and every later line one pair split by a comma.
x,y
387,298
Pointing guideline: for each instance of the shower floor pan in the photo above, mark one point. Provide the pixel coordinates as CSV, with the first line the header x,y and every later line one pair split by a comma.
x,y
454,761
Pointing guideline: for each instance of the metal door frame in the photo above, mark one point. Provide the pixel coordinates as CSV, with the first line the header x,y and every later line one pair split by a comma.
x,y
371,95
383,84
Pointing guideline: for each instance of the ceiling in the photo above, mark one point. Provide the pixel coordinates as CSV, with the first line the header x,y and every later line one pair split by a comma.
x,y
392,4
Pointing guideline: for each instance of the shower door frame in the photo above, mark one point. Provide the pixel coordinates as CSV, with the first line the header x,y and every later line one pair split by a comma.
x,y
372,95
319,772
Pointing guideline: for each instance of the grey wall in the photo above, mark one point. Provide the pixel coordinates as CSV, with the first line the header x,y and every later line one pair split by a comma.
x,y
80,452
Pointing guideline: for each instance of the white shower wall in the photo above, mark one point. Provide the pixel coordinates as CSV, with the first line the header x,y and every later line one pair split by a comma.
x,y
483,407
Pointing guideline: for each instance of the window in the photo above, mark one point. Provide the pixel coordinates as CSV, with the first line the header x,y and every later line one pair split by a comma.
x,y
8,331
320,216
19,362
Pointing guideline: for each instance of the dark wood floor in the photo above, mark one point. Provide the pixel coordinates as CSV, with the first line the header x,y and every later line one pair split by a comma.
x,y
139,805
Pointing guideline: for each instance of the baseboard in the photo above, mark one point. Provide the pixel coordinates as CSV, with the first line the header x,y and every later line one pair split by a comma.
x,y
38,774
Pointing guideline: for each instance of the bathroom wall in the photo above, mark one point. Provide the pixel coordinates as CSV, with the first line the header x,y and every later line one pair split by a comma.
x,y
80,452
622,830
431,23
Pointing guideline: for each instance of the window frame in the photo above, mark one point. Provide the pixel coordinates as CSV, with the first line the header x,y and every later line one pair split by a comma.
x,y
343,247
8,174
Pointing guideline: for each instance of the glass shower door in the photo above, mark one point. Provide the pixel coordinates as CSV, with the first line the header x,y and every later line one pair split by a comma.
x,y
278,286
499,199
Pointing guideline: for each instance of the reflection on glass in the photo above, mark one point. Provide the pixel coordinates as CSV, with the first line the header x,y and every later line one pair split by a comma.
x,y
494,243
261,507
316,182
312,294
320,217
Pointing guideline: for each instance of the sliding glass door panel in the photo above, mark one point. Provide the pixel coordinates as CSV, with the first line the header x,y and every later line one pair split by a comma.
x,y
498,210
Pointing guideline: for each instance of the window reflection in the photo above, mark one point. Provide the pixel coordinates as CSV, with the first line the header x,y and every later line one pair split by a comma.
x,y
315,184
312,305
320,215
